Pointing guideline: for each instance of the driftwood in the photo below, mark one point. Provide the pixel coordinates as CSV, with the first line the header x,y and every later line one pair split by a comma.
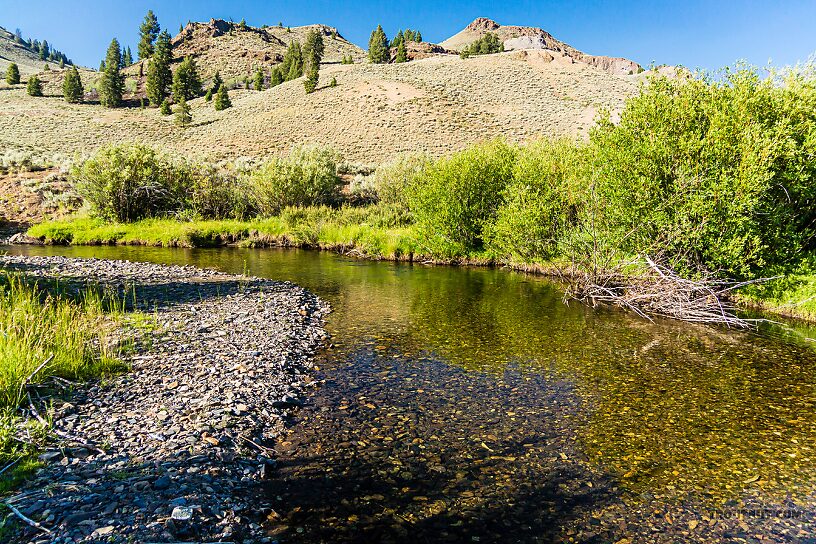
x,y
25,382
657,291
26,519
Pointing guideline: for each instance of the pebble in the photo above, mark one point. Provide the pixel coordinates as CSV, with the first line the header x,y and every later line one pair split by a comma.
x,y
207,395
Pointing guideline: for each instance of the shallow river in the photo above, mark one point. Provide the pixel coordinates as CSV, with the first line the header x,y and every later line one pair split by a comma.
x,y
471,405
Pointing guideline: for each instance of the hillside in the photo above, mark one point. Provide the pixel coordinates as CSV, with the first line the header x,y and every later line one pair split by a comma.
x,y
525,37
437,105
12,52
237,50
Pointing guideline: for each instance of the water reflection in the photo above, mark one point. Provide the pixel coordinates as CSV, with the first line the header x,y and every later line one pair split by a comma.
x,y
673,410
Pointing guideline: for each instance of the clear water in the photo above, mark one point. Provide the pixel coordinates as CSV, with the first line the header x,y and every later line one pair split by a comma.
x,y
465,404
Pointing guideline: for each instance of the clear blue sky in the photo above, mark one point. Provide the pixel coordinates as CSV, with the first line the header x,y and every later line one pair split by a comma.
x,y
694,33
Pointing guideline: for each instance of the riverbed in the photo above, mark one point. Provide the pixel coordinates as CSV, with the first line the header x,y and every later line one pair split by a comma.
x,y
474,405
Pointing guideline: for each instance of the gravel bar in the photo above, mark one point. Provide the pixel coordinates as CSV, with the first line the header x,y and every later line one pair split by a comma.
x,y
188,434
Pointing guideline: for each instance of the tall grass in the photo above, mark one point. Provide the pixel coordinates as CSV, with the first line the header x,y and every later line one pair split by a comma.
x,y
72,333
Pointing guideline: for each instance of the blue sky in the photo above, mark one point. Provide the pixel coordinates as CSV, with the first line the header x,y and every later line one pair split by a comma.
x,y
694,33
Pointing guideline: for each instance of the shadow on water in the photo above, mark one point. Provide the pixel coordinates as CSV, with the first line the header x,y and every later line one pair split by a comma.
x,y
465,403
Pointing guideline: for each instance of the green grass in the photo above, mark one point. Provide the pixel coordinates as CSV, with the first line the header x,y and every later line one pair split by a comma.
x,y
376,232
792,295
37,324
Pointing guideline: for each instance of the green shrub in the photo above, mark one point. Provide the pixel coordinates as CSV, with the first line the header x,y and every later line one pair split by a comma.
x,y
307,177
719,175
392,180
130,182
539,203
454,198
217,194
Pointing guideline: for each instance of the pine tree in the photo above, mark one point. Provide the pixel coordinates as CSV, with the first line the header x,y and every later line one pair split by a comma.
x,y
46,67
292,65
34,87
312,74
184,116
44,50
217,82
276,77
208,96
72,89
186,83
148,32
378,52
333,82
402,53
398,39
13,74
159,75
259,79
127,58
112,84
418,37
165,107
222,100
62,64
102,65
242,25
313,44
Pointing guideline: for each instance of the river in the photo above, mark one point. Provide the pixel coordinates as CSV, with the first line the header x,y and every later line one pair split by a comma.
x,y
473,404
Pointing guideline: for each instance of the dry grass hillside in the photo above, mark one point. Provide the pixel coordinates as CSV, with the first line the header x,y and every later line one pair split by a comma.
x,y
12,52
435,105
526,37
237,50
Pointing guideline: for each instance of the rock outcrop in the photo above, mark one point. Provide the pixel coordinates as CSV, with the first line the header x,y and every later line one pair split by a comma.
x,y
525,37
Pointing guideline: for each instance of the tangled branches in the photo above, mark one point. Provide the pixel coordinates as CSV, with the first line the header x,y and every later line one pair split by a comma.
x,y
657,291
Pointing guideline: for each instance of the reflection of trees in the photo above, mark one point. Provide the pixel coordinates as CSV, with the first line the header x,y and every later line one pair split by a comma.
x,y
672,405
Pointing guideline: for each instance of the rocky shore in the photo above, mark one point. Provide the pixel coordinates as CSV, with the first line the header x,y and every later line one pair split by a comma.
x,y
176,448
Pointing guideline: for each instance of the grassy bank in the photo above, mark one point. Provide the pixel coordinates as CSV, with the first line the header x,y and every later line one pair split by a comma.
x,y
70,334
354,230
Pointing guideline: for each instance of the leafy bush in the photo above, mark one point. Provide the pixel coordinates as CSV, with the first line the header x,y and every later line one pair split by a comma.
x,y
217,194
539,203
391,180
718,174
454,198
307,177
130,182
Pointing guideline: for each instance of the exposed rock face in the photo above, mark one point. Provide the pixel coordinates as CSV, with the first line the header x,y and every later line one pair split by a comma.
x,y
237,51
422,50
525,37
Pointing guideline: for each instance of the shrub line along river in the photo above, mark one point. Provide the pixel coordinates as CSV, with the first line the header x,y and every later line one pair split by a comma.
x,y
472,404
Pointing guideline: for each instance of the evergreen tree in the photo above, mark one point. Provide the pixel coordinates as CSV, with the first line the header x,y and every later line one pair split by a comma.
x,y
127,58
148,32
102,65
18,36
112,84
312,74
222,100
333,82
208,96
34,87
402,53
159,75
292,65
186,83
62,64
242,25
276,78
418,36
44,50
217,82
313,44
72,86
165,107
46,67
184,116
398,39
13,74
378,52
259,79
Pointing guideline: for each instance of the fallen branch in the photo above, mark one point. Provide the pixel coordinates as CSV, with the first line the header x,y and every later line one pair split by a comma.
x,y
657,291
25,382
27,520
5,468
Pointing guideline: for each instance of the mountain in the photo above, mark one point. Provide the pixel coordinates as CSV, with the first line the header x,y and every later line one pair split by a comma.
x,y
12,52
237,50
525,37
376,111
